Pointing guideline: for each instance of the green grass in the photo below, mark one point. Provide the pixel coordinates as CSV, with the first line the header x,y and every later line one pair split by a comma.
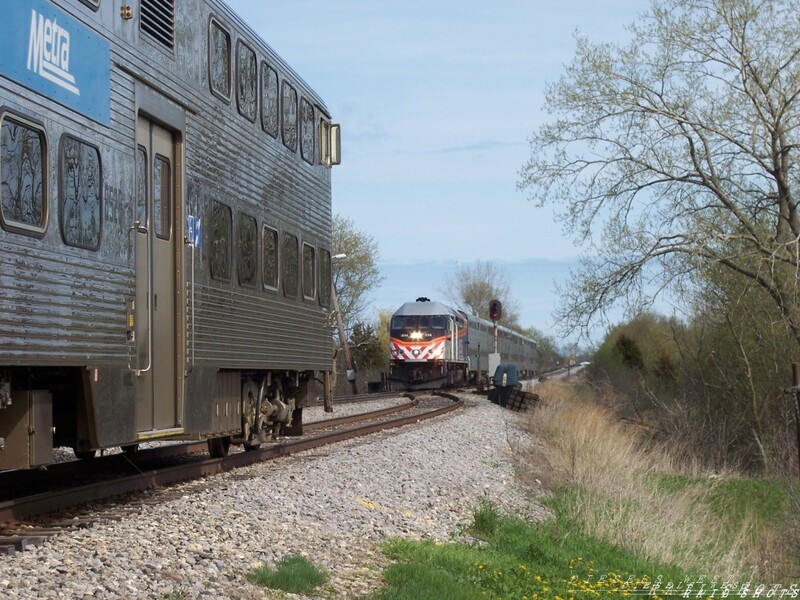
x,y
735,499
293,574
516,559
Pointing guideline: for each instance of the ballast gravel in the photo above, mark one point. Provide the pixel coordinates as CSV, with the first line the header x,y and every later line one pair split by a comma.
x,y
333,506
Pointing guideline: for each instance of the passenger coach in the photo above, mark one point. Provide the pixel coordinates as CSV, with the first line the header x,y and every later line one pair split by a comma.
x,y
165,229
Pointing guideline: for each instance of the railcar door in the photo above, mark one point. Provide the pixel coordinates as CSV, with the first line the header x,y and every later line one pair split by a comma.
x,y
156,315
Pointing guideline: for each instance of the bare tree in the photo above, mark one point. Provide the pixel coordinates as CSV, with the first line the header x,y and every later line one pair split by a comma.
x,y
683,145
474,285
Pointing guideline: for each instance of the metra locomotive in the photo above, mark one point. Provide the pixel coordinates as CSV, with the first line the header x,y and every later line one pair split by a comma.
x,y
165,223
433,345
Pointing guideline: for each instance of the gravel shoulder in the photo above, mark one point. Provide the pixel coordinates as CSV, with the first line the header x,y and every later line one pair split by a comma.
x,y
333,506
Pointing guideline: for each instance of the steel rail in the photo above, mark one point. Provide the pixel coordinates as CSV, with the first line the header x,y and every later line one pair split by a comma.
x,y
375,414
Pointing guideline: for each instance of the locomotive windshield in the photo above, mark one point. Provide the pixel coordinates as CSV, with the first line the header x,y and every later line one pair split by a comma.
x,y
427,326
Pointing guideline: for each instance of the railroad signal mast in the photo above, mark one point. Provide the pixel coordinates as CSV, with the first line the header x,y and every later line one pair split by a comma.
x,y
495,314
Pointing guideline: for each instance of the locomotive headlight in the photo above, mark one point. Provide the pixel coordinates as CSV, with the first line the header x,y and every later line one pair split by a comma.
x,y
415,352
415,335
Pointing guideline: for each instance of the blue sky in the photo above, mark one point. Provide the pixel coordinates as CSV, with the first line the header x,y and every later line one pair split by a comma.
x,y
436,99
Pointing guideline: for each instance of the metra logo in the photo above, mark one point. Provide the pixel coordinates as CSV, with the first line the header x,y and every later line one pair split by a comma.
x,y
48,52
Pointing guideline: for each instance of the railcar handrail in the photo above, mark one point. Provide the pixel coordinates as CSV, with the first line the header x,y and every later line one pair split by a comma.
x,y
139,228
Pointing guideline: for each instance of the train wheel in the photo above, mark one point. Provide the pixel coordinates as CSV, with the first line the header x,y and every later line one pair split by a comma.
x,y
218,447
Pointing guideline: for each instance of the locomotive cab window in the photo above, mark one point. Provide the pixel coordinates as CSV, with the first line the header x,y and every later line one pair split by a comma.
x,y
220,259
289,117
24,176
248,250
219,60
291,265
438,322
80,187
309,272
246,81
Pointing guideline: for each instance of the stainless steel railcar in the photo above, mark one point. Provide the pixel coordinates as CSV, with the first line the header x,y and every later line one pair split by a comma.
x,y
433,345
164,229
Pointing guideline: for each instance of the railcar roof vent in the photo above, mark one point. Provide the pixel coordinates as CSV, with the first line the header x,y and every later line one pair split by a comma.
x,y
157,19
423,299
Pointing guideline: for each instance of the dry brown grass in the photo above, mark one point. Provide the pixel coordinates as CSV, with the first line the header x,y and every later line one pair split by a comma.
x,y
609,474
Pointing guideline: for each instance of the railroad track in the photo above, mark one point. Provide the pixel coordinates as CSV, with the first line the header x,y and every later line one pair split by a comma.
x,y
31,519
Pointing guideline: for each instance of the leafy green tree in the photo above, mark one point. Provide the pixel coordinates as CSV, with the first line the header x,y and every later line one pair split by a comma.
x,y
682,145
366,347
739,353
384,317
629,352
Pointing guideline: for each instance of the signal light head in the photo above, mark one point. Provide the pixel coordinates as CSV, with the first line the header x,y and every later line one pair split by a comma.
x,y
495,310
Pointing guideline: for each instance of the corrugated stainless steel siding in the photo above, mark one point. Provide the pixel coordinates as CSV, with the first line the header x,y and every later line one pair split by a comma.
x,y
236,330
54,310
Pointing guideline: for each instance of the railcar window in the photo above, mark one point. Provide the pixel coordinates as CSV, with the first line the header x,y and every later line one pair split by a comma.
x,y
291,265
162,197
309,271
248,250
289,117
269,100
247,78
307,131
219,61
397,323
22,163
324,278
220,259
411,323
425,322
269,241
141,185
80,199
438,322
